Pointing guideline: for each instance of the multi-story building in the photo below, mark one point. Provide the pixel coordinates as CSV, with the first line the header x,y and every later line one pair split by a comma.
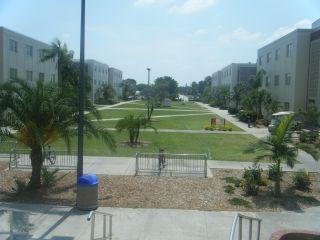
x,y
98,73
314,66
286,63
115,80
20,58
233,74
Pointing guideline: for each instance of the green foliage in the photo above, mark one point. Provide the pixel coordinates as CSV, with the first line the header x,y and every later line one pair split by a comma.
x,y
312,116
224,128
129,87
21,186
273,172
239,202
166,87
311,149
229,189
309,136
233,180
48,178
244,115
133,125
220,97
302,180
209,128
252,179
107,94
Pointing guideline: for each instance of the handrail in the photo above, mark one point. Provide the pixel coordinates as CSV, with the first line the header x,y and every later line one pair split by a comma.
x,y
238,218
92,217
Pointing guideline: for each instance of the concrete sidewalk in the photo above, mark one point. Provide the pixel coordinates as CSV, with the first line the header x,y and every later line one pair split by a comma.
x,y
65,223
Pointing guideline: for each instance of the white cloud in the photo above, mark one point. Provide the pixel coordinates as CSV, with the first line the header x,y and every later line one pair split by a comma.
x,y
201,32
280,32
148,2
190,6
239,34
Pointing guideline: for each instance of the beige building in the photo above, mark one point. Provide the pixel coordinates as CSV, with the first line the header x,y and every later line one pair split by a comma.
x,y
115,80
233,74
314,66
20,58
286,62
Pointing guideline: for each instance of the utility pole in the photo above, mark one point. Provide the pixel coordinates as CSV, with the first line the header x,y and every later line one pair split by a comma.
x,y
148,104
81,92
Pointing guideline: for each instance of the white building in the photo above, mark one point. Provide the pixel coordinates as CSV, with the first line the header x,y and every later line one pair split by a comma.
x,y
20,58
115,80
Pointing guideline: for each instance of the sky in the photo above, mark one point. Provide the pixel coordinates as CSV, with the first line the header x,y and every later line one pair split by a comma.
x,y
185,39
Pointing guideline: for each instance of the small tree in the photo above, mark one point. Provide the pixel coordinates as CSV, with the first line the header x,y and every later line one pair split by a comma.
x,y
133,125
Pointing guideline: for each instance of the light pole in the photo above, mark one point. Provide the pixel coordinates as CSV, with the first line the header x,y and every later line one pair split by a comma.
x,y
148,104
81,92
148,69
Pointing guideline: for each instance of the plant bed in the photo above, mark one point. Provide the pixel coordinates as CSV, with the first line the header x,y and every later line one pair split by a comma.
x,y
167,192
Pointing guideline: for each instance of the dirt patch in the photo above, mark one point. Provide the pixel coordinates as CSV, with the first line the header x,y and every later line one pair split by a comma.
x,y
168,192
4,165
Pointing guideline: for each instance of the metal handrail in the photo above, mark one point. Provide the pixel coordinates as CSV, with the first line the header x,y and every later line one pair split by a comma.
x,y
238,218
92,217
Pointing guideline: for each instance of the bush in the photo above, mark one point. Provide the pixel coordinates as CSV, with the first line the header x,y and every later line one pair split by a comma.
x,y
272,172
243,115
48,177
252,179
309,136
239,202
210,128
229,189
232,110
225,128
21,186
302,181
235,181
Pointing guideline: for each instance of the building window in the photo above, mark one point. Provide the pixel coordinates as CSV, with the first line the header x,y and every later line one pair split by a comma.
x,y
260,60
289,49
13,45
267,81
53,78
286,106
29,50
13,73
29,76
41,77
276,54
276,80
288,79
41,53
268,57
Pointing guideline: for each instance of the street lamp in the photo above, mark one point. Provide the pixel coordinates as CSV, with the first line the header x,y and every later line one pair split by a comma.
x,y
81,93
148,69
148,92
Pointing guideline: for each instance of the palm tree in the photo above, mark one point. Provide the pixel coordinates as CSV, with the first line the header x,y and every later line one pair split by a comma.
x,y
60,52
38,114
237,94
277,148
133,125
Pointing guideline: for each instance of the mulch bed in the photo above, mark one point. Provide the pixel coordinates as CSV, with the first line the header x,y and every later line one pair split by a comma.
x,y
166,192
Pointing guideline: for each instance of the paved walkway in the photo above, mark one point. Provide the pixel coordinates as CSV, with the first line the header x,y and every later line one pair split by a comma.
x,y
65,223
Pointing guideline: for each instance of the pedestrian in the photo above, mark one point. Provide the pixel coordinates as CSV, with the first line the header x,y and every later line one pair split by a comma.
x,y
249,121
162,159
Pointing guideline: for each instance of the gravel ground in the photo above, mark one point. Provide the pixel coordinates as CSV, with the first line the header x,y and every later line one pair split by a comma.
x,y
166,192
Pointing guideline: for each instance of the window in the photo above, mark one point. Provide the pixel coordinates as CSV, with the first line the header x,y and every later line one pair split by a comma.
x,y
41,53
276,80
260,60
286,106
41,77
53,78
276,55
13,45
29,50
268,57
288,79
13,73
289,49
29,76
267,81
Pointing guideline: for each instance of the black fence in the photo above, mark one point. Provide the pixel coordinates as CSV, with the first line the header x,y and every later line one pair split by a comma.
x,y
165,164
64,160
6,147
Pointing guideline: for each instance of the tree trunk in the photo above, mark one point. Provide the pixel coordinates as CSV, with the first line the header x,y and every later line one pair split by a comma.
x,y
137,135
131,136
36,157
277,189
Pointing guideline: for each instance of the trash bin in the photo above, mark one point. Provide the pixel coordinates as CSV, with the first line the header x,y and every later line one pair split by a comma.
x,y
87,192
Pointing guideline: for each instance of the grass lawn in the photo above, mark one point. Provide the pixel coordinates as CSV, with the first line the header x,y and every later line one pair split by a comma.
x,y
218,146
175,105
196,122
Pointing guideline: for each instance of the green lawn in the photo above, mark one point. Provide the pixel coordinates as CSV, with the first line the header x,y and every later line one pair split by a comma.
x,y
175,105
219,147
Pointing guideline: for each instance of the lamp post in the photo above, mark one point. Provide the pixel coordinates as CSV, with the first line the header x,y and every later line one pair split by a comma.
x,y
148,104
81,93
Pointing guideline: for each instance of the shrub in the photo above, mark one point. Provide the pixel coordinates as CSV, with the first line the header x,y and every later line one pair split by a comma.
x,y
21,186
309,136
302,181
243,115
232,110
210,128
239,202
272,172
252,179
235,181
229,189
225,128
48,177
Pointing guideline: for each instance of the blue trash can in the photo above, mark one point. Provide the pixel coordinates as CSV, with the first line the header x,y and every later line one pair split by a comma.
x,y
87,192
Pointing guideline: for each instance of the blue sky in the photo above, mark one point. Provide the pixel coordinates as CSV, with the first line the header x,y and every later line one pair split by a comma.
x,y
185,39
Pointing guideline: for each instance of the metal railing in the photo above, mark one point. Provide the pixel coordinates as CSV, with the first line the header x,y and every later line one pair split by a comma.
x,y
239,220
64,160
6,147
165,164
92,217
